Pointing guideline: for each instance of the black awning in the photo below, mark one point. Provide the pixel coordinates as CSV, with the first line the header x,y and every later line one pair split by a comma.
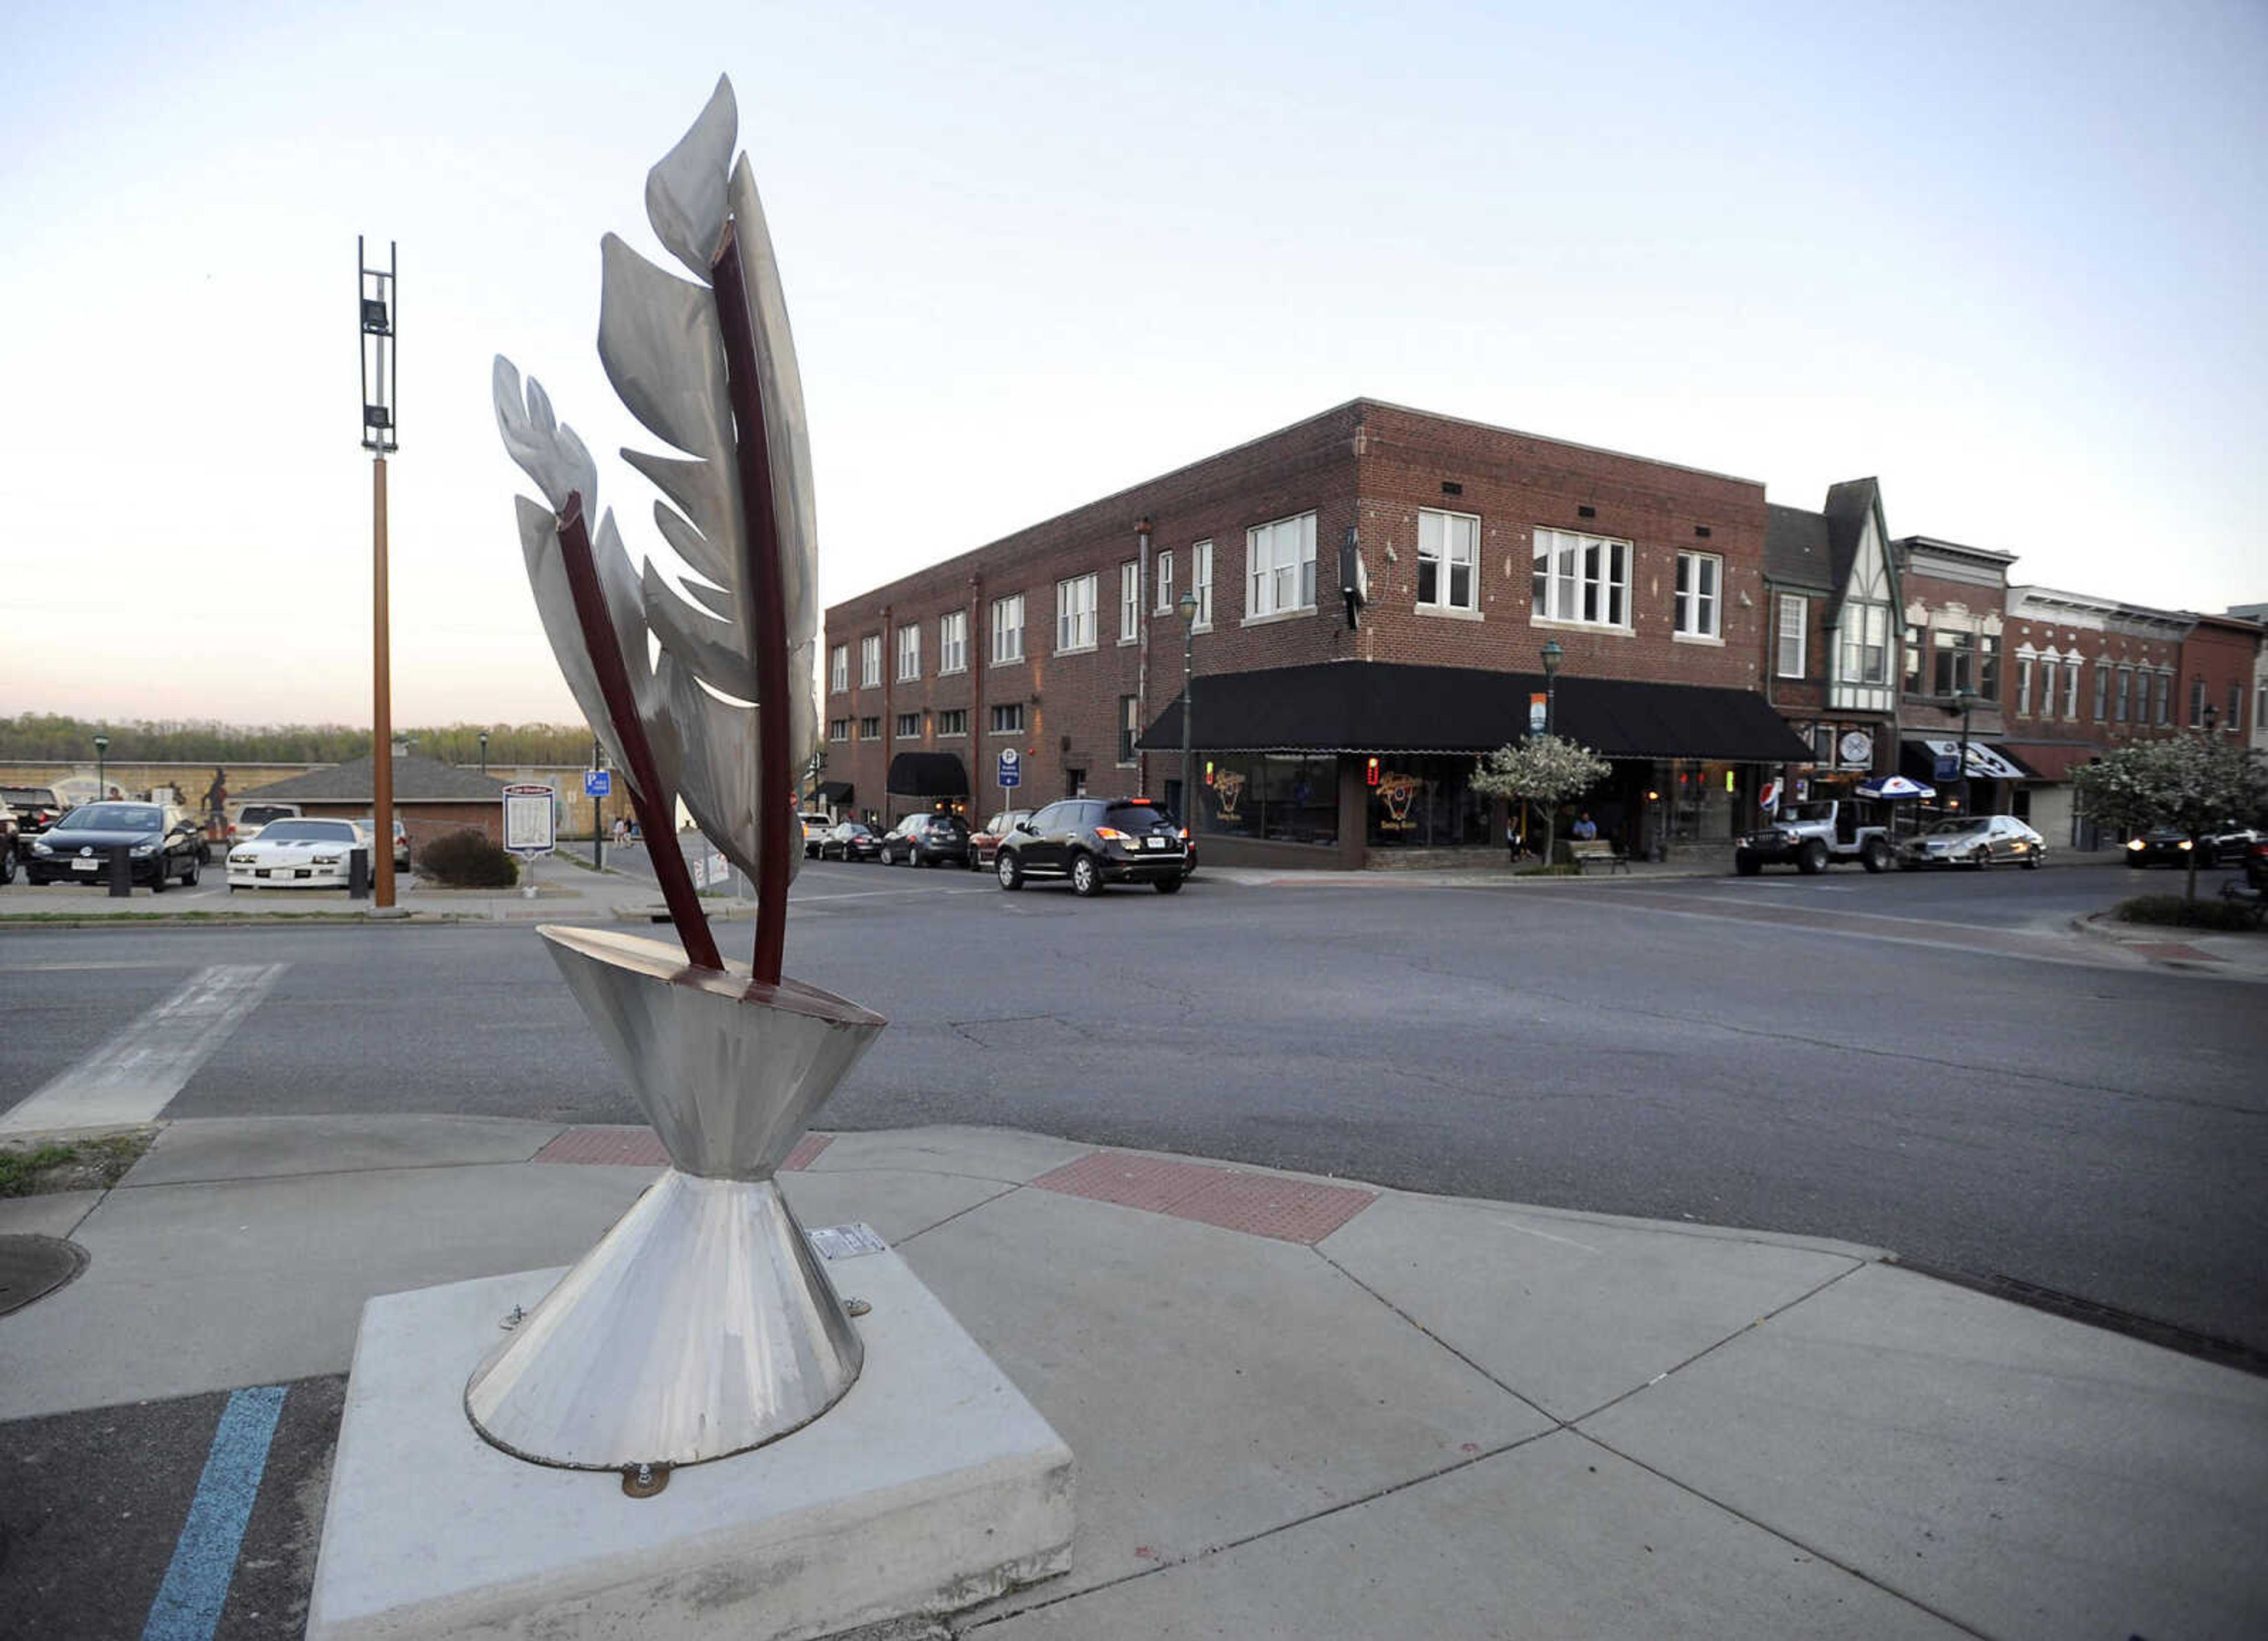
x,y
835,791
1368,706
927,775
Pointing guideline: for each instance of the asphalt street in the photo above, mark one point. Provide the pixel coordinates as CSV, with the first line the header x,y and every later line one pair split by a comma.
x,y
1881,1059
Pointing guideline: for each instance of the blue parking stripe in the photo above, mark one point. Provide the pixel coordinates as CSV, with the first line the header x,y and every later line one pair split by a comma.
x,y
187,1608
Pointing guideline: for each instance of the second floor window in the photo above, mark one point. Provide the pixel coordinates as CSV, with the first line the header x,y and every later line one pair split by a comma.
x,y
1130,599
1582,578
2119,703
1075,614
1008,719
838,669
870,729
2165,699
2048,682
2024,686
870,661
2197,702
909,726
1794,616
1866,643
1129,724
2101,693
1008,629
953,643
1165,584
909,653
1448,554
1279,561
838,729
1988,666
2070,688
1955,665
1700,594
952,721
1201,580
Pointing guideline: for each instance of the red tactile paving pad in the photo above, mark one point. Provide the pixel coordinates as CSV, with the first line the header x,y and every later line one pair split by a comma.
x,y
2189,953
1261,1205
641,1147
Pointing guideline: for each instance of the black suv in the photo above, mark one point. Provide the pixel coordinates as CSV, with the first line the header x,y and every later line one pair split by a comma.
x,y
1094,841
923,840
36,809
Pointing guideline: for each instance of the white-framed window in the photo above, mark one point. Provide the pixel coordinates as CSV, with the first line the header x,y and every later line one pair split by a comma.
x,y
1866,642
1165,584
1008,719
1008,629
1448,560
909,653
1279,560
952,722
1201,582
2101,693
2048,682
2197,702
1130,726
2165,699
838,669
2024,686
869,728
909,726
2071,689
2126,694
870,661
952,643
1075,614
1794,626
839,729
1130,599
1700,599
1581,577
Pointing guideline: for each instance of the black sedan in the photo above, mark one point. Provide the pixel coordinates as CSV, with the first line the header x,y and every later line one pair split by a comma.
x,y
2223,845
853,840
160,845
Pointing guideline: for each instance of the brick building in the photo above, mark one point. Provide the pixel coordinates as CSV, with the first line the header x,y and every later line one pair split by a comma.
x,y
1320,741
431,798
1953,680
1832,660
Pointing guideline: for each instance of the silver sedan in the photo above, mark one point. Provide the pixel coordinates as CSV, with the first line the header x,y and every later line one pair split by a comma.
x,y
1979,840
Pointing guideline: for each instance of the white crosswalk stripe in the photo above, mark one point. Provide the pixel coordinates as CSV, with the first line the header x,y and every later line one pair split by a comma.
x,y
135,1076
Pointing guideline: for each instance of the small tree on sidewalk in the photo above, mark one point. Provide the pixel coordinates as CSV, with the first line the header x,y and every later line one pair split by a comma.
x,y
2190,782
1542,769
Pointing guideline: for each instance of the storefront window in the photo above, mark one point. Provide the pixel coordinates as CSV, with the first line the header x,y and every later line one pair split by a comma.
x,y
1426,803
1278,798
1704,801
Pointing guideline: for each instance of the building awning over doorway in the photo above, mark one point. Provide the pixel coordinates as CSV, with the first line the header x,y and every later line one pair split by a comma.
x,y
1373,706
835,791
1987,761
927,775
2051,761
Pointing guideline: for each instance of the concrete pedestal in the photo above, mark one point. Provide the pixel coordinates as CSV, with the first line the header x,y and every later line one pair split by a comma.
x,y
933,1485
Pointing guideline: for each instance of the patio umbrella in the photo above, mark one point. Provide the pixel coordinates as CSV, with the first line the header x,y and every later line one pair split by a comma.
x,y
1895,786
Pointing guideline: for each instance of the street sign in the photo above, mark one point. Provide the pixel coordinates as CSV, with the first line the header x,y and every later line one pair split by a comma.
x,y
1011,770
529,820
598,783
1949,766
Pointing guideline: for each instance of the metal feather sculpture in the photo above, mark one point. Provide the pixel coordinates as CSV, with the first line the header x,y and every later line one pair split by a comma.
x,y
702,1325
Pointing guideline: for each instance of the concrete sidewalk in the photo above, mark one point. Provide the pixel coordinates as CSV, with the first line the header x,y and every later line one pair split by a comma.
x,y
1310,1408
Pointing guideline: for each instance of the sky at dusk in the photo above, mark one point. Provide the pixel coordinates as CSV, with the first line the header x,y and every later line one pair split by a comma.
x,y
2007,258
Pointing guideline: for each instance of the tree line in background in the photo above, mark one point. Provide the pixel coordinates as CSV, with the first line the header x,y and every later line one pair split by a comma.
x,y
53,737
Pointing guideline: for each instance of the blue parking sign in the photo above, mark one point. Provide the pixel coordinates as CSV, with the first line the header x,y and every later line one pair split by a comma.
x,y
598,783
1011,768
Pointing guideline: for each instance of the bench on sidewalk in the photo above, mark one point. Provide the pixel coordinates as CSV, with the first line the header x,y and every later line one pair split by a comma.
x,y
1588,852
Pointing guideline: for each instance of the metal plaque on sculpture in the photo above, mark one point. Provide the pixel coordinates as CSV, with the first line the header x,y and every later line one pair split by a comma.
x,y
702,1324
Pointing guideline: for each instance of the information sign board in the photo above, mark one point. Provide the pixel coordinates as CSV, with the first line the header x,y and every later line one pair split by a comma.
x,y
1011,768
598,783
530,820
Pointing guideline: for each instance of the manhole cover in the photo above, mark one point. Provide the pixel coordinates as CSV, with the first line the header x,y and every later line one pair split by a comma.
x,y
32,1267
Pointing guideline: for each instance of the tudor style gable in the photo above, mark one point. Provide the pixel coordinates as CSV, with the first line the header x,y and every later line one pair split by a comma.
x,y
1861,657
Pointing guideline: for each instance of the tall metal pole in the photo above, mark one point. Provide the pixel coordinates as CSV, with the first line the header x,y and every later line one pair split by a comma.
x,y
381,712
1187,606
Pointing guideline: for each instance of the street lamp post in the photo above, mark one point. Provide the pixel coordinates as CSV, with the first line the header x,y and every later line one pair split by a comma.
x,y
1552,655
1186,607
1965,702
484,752
101,747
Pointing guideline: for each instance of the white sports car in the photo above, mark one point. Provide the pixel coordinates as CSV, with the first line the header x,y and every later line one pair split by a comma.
x,y
296,855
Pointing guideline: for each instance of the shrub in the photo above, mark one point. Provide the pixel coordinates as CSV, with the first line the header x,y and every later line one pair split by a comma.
x,y
2182,913
468,860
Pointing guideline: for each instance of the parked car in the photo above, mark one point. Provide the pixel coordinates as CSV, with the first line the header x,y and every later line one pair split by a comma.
x,y
2225,845
294,853
368,828
815,826
1978,841
162,843
927,840
252,817
7,842
37,808
853,840
1093,842
985,842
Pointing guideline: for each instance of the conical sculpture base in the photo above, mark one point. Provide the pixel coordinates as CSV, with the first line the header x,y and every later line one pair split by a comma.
x,y
702,1324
